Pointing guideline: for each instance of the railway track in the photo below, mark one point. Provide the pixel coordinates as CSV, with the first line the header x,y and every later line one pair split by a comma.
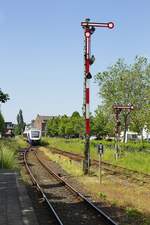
x,y
68,205
111,168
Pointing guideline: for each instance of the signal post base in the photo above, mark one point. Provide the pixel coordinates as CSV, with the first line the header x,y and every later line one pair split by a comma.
x,y
87,161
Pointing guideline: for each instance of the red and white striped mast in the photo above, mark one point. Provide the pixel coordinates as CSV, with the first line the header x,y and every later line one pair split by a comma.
x,y
89,28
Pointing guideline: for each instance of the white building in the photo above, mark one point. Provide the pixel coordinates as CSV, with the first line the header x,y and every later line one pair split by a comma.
x,y
130,136
146,134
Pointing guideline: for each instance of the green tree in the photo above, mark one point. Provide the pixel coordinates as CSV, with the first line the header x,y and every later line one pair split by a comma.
x,y
19,128
103,123
65,126
75,114
3,97
2,123
126,84
62,126
53,126
49,127
69,130
77,123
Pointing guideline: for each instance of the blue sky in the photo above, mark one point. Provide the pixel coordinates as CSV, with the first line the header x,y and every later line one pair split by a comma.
x,y
41,50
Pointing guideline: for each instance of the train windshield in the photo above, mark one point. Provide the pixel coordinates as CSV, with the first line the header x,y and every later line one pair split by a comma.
x,y
35,134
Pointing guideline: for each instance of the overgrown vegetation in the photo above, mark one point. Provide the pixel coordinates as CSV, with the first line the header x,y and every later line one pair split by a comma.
x,y
9,150
135,160
71,167
129,146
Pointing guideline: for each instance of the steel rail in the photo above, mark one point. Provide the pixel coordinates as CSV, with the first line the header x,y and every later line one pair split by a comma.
x,y
105,163
104,216
39,188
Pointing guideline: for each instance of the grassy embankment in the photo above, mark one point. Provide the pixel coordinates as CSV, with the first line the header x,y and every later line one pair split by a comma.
x,y
8,152
132,158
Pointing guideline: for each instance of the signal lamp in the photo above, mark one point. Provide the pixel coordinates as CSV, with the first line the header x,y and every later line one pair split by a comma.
x,y
92,29
131,106
110,25
92,59
89,76
87,34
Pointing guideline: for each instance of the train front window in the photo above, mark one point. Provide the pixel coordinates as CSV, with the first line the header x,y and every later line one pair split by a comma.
x,y
35,134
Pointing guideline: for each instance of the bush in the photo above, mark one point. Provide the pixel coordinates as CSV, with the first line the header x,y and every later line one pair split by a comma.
x,y
129,146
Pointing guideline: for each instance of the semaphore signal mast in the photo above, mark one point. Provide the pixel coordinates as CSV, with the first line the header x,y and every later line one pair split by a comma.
x,y
89,28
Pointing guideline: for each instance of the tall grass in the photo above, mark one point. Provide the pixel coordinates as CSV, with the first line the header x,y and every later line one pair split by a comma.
x,y
132,159
129,146
8,152
72,167
71,145
7,157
